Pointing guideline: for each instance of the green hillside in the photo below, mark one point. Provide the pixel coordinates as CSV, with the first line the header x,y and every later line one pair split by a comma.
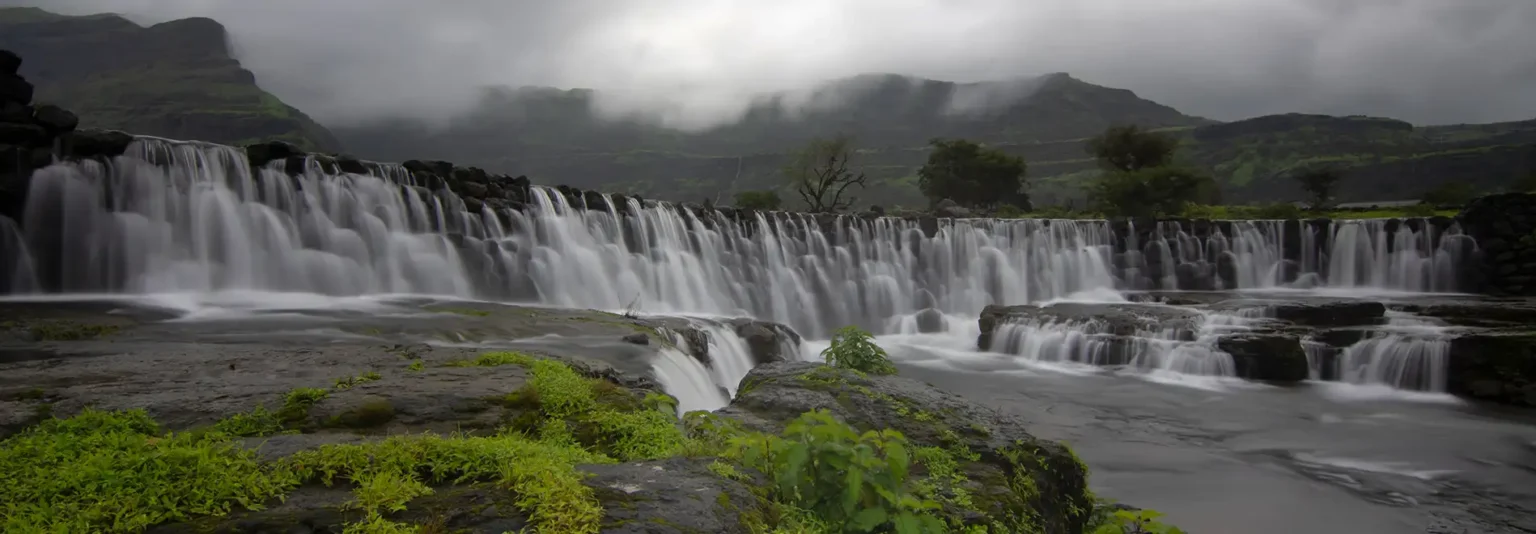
x,y
175,79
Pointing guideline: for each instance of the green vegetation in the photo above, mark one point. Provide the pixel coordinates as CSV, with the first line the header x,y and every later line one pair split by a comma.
x,y
855,349
1318,183
175,79
1140,177
972,175
823,476
819,174
758,200
69,331
349,382
495,359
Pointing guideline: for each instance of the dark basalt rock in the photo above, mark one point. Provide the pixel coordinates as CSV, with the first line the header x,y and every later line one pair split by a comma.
x,y
351,165
1267,357
56,120
9,62
1498,367
672,495
16,113
22,134
767,341
260,154
14,89
774,394
1321,314
89,144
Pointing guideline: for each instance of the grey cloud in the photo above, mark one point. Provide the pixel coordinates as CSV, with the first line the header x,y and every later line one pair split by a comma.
x,y
693,63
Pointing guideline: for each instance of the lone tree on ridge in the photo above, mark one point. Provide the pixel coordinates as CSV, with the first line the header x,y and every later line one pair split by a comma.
x,y
820,174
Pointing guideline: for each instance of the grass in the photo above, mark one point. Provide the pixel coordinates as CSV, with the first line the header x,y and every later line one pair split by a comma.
x,y
495,359
69,331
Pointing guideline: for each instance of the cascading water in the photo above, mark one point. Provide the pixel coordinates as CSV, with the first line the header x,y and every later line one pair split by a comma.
x,y
182,217
1183,350
1411,354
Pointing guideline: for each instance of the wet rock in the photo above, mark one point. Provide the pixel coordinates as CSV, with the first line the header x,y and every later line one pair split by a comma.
x,y
1497,367
22,134
17,113
88,144
260,154
1273,358
769,342
473,189
1320,314
1493,313
774,394
9,62
349,164
951,209
15,89
672,495
56,120
930,321
1127,319
638,338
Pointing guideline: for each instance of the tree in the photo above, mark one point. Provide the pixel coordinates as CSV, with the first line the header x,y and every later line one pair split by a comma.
x,y
758,200
1450,194
819,173
972,175
1151,192
1129,148
1318,183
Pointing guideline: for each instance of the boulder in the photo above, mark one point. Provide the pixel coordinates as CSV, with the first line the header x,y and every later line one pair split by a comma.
x,y
1497,367
1267,357
638,338
769,342
56,120
14,112
951,209
96,143
9,62
930,321
1014,476
22,134
349,164
14,89
260,154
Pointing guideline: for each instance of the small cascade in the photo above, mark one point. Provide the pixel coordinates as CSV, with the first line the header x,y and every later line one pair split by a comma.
x,y
1411,353
688,380
727,353
1094,342
16,274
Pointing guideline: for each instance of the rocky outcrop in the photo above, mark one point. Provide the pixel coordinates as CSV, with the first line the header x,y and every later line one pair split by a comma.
x,y
1505,228
1315,313
27,134
1056,491
1498,367
1271,358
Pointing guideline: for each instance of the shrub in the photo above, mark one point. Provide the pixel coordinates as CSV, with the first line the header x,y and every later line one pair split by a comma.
x,y
758,200
855,349
848,481
1135,522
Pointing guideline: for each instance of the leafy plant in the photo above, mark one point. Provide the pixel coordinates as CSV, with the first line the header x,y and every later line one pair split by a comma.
x,y
849,481
1136,522
495,359
256,423
349,382
853,348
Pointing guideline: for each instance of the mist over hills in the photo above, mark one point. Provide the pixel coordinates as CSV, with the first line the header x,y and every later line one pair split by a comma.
x,y
179,79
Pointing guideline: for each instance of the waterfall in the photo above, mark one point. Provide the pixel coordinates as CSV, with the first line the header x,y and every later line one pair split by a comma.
x,y
1093,342
1411,353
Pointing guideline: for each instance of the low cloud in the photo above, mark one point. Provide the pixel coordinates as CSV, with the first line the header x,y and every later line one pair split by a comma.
x,y
694,63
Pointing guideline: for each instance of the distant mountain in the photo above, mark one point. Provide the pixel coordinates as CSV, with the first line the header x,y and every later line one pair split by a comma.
x,y
179,80
555,136
175,79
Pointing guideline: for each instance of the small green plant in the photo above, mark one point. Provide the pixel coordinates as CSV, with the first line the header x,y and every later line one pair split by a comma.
x,y
256,423
416,366
297,404
495,359
349,382
852,482
1136,522
855,349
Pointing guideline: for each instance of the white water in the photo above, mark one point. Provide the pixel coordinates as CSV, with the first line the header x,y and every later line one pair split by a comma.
x,y
1412,354
191,219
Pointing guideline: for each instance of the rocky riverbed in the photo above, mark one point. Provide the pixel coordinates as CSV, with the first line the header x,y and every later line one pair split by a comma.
x,y
361,373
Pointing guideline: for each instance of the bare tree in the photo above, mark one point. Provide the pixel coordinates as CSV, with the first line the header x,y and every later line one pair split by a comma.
x,y
820,174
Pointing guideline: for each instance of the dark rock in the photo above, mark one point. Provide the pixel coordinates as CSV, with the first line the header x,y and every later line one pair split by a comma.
x,y
14,89
472,189
1056,501
1494,367
638,338
1127,319
351,165
673,495
13,112
9,62
930,321
1274,358
56,120
1328,314
22,134
1492,313
260,154
768,342
951,209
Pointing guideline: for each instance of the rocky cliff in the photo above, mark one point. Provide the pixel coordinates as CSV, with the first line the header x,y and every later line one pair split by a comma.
x,y
177,79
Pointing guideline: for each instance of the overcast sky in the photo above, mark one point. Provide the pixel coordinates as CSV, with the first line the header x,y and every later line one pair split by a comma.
x,y
1426,61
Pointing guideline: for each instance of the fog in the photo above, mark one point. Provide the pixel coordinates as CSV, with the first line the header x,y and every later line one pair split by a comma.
x,y
695,63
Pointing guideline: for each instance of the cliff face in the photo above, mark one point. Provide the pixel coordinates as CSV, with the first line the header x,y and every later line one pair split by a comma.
x,y
175,79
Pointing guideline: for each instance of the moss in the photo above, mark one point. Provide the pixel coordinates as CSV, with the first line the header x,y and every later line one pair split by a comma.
x,y
348,382
297,403
464,311
372,414
495,359
256,423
